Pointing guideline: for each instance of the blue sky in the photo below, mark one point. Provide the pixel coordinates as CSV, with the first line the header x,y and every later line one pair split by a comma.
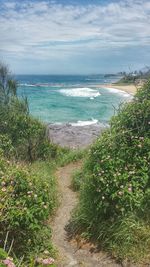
x,y
74,36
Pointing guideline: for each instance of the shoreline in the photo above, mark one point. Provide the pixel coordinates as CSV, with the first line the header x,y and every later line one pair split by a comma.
x,y
130,89
75,137
79,137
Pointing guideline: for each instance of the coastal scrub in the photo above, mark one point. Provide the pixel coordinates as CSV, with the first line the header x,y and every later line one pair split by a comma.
x,y
114,196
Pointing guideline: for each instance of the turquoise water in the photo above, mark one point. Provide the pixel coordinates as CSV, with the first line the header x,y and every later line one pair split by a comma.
x,y
73,99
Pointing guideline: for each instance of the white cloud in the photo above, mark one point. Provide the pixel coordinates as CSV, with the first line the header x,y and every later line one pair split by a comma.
x,y
47,29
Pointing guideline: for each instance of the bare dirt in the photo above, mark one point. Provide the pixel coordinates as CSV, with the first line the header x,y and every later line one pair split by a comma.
x,y
76,253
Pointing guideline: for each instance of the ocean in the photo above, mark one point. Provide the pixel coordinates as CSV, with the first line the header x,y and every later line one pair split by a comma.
x,y
76,99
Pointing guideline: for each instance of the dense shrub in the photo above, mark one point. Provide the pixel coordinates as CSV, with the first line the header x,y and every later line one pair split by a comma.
x,y
27,192
27,200
117,182
25,134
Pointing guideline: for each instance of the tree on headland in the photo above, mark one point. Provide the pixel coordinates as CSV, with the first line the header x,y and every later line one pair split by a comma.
x,y
26,134
8,86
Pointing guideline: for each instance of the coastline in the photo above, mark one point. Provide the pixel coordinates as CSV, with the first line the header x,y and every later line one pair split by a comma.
x,y
75,137
130,89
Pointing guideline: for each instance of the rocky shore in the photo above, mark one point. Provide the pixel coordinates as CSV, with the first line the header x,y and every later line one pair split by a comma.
x,y
74,137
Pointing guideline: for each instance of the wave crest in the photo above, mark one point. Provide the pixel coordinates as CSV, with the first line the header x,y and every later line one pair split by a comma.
x,y
118,91
84,123
80,92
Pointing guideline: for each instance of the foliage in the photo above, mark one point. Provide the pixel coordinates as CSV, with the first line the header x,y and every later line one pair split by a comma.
x,y
26,134
77,180
116,186
27,200
6,146
66,156
45,260
22,133
8,86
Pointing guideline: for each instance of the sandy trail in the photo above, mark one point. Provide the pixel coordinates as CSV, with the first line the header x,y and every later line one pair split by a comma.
x,y
70,254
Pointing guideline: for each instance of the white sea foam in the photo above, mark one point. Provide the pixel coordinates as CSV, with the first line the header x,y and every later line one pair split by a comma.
x,y
27,85
118,91
35,85
84,123
80,92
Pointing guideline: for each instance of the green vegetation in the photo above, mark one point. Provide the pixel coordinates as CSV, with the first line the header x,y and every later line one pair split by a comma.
x,y
28,198
27,185
77,180
66,156
115,188
24,136
28,189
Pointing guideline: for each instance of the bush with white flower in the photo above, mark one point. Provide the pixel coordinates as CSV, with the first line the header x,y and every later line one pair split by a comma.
x,y
27,201
115,194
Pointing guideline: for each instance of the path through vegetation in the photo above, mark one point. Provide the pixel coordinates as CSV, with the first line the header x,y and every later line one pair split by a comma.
x,y
74,253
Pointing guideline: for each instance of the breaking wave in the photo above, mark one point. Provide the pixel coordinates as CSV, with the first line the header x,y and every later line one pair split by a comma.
x,y
80,92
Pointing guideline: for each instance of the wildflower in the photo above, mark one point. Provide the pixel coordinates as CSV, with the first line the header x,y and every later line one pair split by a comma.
x,y
4,189
139,145
121,186
120,193
48,261
130,189
98,190
46,252
39,260
3,183
9,262
45,206
131,172
35,196
103,197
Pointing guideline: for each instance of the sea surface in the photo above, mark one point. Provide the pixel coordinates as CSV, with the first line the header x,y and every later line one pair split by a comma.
x,y
76,99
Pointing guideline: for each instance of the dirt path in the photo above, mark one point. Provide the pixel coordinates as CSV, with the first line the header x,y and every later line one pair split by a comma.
x,y
70,254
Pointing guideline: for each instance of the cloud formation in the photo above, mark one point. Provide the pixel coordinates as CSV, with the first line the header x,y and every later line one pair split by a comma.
x,y
48,30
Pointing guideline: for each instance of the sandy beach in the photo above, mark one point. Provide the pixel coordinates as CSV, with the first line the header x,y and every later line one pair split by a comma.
x,y
131,89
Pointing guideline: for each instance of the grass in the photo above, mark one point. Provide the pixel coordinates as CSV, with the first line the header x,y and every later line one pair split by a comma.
x,y
128,237
77,180
45,170
67,156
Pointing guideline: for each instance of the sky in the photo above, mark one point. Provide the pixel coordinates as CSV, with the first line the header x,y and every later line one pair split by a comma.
x,y
74,36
